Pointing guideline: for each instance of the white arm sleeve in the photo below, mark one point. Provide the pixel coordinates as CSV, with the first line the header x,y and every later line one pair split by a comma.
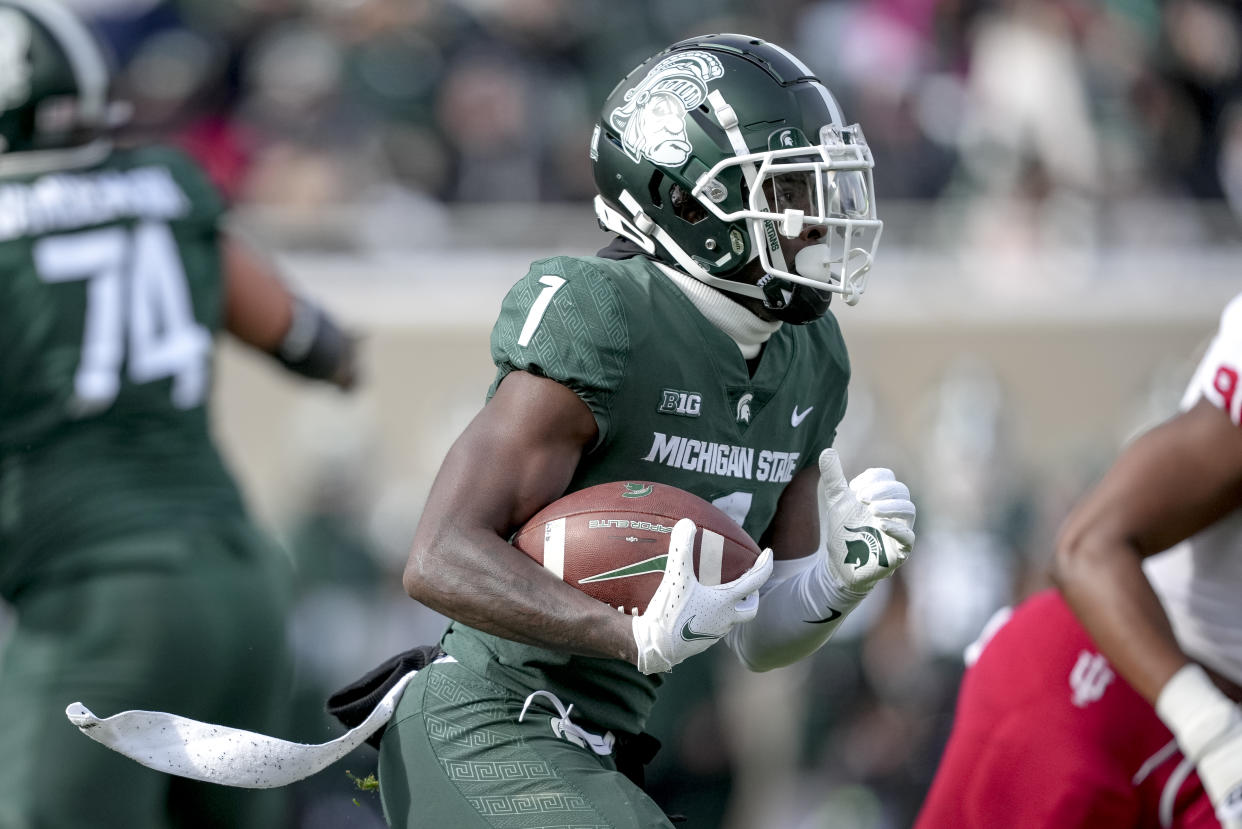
x,y
799,610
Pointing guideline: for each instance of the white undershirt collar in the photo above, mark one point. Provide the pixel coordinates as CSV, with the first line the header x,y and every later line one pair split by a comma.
x,y
743,327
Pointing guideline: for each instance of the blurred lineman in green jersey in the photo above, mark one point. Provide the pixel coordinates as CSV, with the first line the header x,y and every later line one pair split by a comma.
x,y
137,578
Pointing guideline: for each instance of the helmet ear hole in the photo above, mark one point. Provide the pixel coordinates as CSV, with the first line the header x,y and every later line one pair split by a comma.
x,y
685,206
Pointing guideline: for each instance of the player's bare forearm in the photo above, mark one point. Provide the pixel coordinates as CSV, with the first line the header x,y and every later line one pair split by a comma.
x,y
258,306
1168,485
482,581
1102,580
794,531
518,455
262,312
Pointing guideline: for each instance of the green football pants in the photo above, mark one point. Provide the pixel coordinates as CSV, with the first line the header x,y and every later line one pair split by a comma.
x,y
202,636
455,755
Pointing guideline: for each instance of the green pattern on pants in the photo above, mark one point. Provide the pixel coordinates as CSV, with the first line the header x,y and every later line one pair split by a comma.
x,y
456,756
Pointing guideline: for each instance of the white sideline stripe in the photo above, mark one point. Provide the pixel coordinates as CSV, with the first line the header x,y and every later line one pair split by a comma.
x,y
711,555
554,547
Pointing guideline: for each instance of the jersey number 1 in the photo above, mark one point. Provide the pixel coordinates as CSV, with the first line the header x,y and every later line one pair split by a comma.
x,y
136,285
539,307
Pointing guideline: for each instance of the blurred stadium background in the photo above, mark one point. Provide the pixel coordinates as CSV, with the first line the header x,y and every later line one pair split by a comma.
x,y
1060,181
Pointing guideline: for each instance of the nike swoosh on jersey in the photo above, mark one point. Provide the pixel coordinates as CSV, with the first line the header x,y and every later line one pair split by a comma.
x,y
833,615
690,635
795,419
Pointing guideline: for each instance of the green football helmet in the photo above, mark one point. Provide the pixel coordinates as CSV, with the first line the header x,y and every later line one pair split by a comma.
x,y
709,151
54,80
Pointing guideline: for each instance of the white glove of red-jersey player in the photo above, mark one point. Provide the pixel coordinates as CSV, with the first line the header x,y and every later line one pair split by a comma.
x,y
866,526
685,617
1208,728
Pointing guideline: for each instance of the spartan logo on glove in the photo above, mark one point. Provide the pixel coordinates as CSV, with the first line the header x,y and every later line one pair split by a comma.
x,y
858,550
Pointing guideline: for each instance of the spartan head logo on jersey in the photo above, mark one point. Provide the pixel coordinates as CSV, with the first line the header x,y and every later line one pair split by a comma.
x,y
14,59
743,408
652,122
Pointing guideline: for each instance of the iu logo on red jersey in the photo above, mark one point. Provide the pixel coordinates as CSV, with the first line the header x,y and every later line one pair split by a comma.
x,y
1089,678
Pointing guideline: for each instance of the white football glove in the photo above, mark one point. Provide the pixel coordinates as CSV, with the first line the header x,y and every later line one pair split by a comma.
x,y
684,617
866,527
1208,728
1220,769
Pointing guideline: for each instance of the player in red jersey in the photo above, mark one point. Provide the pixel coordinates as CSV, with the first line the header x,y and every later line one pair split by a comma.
x,y
1114,703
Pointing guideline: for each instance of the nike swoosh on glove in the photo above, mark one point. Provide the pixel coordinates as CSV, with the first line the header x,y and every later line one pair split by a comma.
x,y
685,617
866,525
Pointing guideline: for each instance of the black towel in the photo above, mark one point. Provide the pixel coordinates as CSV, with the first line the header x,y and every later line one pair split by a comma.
x,y
353,703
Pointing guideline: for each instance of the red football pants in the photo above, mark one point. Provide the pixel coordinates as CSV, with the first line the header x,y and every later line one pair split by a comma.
x,y
1048,735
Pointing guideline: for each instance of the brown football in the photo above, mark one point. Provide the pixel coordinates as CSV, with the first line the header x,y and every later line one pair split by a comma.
x,y
611,540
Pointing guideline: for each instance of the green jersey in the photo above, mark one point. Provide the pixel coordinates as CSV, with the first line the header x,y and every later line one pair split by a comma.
x,y
675,403
110,293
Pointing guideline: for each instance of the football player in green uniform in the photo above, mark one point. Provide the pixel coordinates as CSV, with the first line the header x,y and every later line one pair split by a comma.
x,y
137,579
697,351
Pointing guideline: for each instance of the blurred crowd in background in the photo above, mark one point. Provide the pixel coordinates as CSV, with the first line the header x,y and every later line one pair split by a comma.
x,y
1055,108
1029,123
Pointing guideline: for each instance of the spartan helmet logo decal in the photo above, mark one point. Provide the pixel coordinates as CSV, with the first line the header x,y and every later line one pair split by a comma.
x,y
14,59
652,122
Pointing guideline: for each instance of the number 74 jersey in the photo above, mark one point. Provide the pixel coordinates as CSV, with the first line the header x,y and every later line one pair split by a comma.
x,y
110,292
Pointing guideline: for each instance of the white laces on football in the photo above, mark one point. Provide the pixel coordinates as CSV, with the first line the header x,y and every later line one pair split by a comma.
x,y
565,729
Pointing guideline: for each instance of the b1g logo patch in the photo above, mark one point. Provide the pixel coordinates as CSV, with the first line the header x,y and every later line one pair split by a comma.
x,y
678,402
